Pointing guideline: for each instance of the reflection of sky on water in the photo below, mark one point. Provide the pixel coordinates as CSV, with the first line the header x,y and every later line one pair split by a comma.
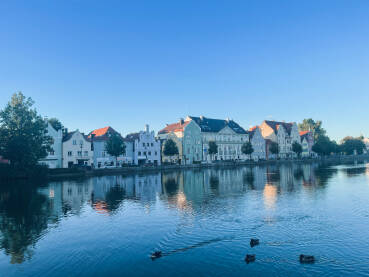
x,y
188,207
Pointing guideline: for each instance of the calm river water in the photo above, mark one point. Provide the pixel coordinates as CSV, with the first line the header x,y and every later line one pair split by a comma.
x,y
202,221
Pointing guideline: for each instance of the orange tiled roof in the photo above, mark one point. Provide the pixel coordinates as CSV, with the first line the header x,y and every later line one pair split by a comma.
x,y
304,133
253,128
175,127
100,132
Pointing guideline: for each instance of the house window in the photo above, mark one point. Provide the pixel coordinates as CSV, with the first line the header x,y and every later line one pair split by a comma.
x,y
74,142
156,153
81,142
86,153
143,144
79,153
152,144
144,153
51,153
149,153
70,153
139,153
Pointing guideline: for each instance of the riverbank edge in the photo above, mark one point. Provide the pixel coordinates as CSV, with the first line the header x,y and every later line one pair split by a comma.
x,y
80,173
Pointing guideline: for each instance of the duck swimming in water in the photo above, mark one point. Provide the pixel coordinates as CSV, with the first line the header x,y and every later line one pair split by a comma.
x,y
305,259
254,242
250,258
156,255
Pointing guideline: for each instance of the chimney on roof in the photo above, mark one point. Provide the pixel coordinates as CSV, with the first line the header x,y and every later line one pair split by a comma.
x,y
147,128
202,117
181,121
227,119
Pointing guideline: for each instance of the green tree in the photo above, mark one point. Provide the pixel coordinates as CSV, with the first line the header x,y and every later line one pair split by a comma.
x,y
23,133
352,145
213,148
57,125
297,148
313,126
324,146
247,149
274,148
115,146
170,148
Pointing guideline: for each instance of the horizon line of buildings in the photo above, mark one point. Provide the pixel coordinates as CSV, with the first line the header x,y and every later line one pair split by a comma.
x,y
191,135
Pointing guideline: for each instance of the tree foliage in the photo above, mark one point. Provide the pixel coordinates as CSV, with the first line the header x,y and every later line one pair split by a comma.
x,y
274,148
57,125
23,133
115,145
324,146
313,126
297,148
213,148
247,148
350,145
170,148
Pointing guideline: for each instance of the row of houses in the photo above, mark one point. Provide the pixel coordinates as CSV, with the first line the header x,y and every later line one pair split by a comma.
x,y
191,135
78,149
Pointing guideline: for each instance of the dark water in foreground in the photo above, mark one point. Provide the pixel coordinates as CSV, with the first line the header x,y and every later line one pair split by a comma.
x,y
201,220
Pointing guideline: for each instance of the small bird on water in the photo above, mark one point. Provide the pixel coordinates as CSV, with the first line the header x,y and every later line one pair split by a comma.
x,y
156,255
305,259
254,242
250,258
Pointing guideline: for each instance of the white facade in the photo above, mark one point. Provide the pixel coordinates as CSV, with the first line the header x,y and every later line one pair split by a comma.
x,y
258,144
146,148
55,156
76,150
229,145
285,134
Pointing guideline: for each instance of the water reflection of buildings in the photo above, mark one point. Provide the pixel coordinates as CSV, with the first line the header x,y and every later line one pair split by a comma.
x,y
192,190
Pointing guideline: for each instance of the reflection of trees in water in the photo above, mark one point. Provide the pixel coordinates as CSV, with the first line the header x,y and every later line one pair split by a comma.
x,y
214,183
114,197
298,173
324,174
353,171
249,178
171,186
24,216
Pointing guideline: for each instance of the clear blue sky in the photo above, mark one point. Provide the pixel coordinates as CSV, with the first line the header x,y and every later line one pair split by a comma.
x,y
127,63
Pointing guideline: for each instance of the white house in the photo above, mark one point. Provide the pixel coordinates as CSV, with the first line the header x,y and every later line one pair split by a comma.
x,y
285,134
55,156
146,148
227,134
258,143
76,150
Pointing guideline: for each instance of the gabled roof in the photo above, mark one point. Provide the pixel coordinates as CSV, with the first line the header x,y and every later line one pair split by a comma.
x,y
132,137
103,133
275,125
175,127
215,125
252,131
68,136
305,134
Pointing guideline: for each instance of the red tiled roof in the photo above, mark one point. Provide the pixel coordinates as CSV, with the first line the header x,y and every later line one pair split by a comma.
x,y
304,133
102,133
175,127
